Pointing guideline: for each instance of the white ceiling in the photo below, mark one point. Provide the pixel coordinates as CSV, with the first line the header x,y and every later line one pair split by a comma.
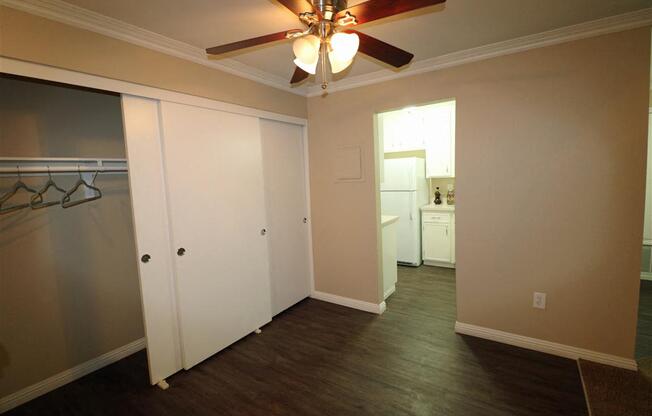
x,y
458,25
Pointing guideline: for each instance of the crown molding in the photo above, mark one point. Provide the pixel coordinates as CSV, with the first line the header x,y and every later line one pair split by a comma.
x,y
85,19
72,15
585,30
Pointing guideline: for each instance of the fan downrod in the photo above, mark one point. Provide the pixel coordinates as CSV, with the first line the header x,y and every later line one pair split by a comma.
x,y
329,8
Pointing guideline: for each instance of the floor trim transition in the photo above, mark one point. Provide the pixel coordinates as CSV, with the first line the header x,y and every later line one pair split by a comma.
x,y
586,394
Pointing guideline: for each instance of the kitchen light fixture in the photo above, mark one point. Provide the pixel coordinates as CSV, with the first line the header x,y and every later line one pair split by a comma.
x,y
330,35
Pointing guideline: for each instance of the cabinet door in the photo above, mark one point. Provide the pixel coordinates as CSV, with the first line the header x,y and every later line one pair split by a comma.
x,y
391,132
403,131
214,175
287,213
437,242
439,122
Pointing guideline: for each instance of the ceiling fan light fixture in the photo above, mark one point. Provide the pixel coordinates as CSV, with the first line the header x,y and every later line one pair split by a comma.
x,y
338,65
306,51
344,46
310,68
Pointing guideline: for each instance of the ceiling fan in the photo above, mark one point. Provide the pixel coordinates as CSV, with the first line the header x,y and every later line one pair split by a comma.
x,y
330,34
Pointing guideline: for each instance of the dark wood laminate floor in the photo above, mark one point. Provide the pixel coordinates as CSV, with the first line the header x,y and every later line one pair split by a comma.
x,y
644,332
322,359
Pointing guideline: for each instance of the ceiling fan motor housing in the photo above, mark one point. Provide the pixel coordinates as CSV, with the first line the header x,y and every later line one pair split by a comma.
x,y
329,8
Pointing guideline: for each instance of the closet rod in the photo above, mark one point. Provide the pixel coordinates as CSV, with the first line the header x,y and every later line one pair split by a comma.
x,y
60,165
26,170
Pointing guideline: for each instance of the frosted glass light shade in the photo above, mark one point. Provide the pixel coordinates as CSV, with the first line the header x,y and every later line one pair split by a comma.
x,y
344,46
306,50
337,65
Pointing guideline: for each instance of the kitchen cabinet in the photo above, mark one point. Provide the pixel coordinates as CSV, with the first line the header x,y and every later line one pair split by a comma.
x,y
439,131
430,128
402,131
438,235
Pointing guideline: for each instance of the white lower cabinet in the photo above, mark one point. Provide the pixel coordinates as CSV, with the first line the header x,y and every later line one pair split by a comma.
x,y
438,238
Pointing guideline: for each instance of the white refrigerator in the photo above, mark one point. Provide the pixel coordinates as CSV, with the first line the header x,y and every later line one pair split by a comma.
x,y
403,191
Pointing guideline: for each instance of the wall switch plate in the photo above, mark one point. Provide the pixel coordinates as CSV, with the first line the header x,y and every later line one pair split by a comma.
x,y
539,300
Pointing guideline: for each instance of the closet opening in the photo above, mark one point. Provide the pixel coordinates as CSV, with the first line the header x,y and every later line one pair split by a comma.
x,y
416,170
69,288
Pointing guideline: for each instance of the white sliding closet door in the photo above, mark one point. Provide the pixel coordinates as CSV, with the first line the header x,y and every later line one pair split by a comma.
x,y
287,213
214,174
146,182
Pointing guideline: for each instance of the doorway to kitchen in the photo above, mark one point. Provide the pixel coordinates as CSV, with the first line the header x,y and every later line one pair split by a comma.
x,y
416,166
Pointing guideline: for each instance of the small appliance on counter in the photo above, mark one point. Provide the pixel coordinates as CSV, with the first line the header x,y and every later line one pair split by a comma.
x,y
437,197
450,196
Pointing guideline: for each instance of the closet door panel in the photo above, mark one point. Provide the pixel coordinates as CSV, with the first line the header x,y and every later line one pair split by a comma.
x,y
146,183
213,166
286,206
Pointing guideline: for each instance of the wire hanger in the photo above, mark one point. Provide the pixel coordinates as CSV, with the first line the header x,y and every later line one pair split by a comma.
x,y
67,203
37,200
14,190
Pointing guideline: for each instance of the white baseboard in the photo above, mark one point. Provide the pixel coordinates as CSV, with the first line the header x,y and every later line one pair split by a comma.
x,y
389,292
439,264
35,390
646,276
547,347
350,303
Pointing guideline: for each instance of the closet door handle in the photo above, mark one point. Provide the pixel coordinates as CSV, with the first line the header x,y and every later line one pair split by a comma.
x,y
146,258
305,220
263,231
181,252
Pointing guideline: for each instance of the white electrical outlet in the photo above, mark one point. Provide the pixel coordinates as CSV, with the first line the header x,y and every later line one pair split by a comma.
x,y
539,301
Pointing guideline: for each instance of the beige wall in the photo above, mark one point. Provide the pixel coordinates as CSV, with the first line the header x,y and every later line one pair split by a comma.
x,y
68,280
31,38
546,140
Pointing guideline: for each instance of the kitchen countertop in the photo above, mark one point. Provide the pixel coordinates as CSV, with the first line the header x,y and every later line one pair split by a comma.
x,y
439,208
386,220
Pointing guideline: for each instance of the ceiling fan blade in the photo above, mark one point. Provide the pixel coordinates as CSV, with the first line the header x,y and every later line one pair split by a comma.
x,y
218,50
377,9
299,75
382,51
298,6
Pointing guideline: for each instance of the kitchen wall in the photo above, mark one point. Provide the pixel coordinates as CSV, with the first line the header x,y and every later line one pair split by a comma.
x,y
69,287
443,187
543,136
30,38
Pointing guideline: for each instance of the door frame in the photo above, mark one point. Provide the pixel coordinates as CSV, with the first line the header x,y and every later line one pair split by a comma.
x,y
64,76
